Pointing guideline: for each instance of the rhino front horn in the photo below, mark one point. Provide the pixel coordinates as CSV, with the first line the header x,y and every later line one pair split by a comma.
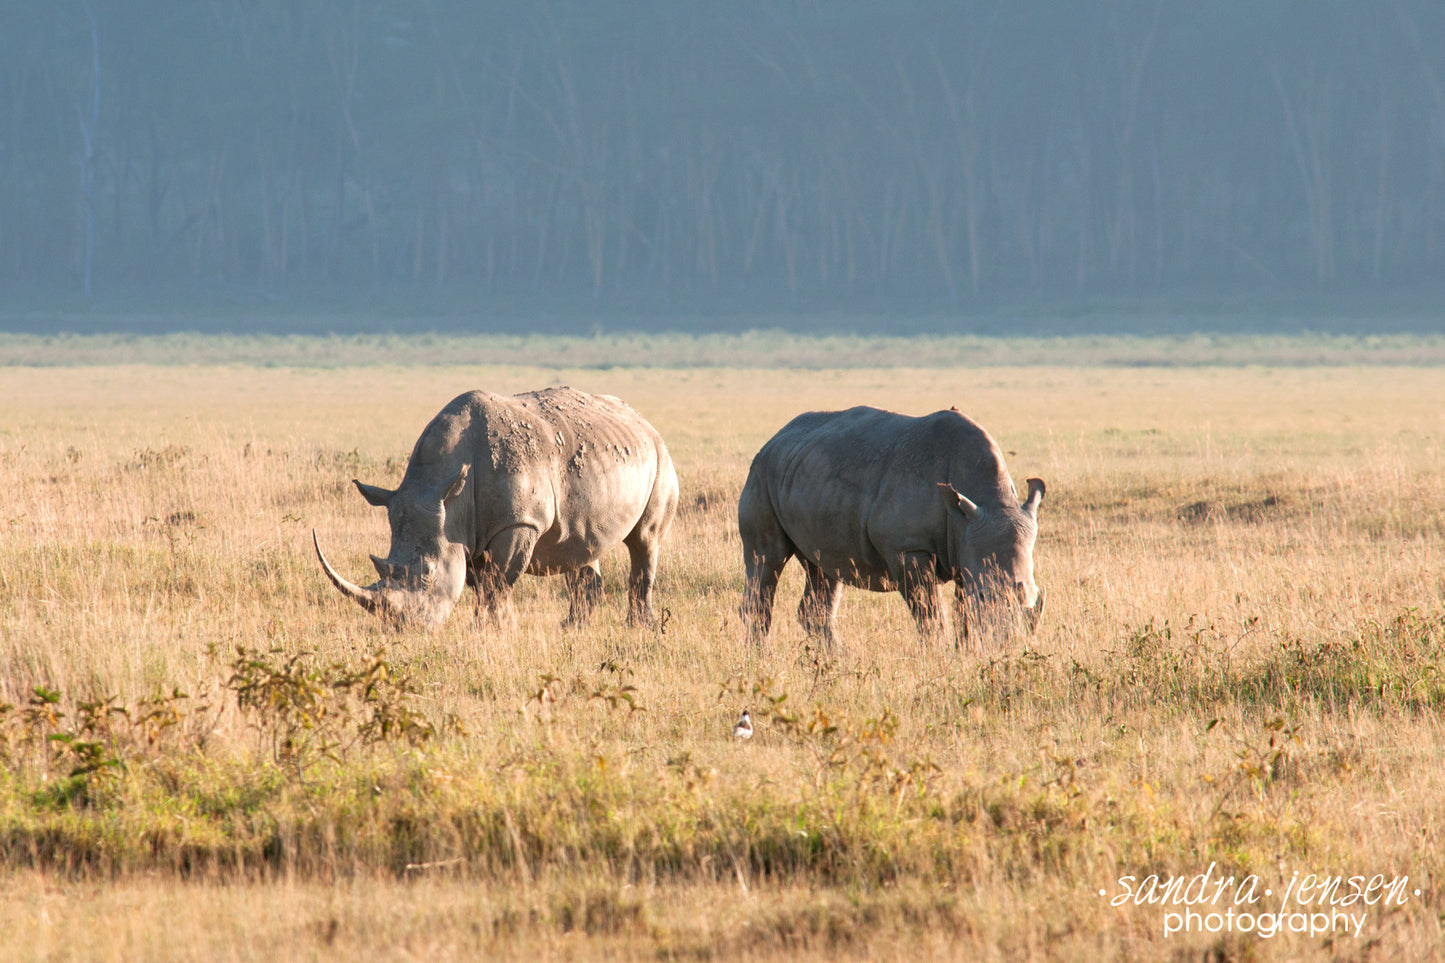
x,y
366,598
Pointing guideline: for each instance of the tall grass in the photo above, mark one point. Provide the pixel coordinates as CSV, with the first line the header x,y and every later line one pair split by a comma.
x,y
1241,664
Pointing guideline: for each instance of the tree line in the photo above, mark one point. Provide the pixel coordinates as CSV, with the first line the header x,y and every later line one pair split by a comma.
x,y
764,151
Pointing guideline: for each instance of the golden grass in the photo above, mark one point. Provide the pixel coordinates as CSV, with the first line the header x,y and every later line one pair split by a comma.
x,y
1240,664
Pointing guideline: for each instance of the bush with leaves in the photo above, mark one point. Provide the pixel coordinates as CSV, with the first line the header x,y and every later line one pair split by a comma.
x,y
308,711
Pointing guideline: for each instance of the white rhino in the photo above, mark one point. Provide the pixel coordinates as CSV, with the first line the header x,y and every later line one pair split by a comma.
x,y
884,501
544,482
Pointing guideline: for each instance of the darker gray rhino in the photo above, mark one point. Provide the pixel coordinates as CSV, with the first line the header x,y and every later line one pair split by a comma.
x,y
884,501
544,482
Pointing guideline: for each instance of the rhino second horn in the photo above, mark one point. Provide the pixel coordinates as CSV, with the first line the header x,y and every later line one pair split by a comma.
x,y
1037,612
366,598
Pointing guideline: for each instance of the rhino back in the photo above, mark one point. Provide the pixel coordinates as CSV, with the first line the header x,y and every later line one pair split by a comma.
x,y
856,489
579,467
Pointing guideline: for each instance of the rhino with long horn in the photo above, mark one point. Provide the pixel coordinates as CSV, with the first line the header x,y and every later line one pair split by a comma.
x,y
545,483
884,501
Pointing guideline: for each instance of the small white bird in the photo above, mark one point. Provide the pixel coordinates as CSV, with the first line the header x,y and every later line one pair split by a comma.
x,y
744,728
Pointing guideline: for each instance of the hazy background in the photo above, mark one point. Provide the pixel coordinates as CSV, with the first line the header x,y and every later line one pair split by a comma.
x,y
579,165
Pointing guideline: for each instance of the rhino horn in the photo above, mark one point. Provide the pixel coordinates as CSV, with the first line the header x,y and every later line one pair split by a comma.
x,y
366,598
956,499
455,488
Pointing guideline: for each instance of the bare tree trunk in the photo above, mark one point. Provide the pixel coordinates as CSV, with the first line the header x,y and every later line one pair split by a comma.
x,y
1158,181
756,200
345,52
444,244
88,118
283,259
965,134
589,165
1085,212
1382,186
1305,138
787,239
937,234
1123,237
1427,58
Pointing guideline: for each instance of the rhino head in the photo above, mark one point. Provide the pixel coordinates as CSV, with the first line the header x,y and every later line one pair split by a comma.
x,y
425,570
993,552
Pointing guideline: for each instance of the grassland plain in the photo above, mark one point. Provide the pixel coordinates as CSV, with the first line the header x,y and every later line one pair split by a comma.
x,y
208,754
750,349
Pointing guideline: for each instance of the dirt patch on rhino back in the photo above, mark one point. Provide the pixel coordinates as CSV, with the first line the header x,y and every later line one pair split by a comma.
x,y
563,426
513,442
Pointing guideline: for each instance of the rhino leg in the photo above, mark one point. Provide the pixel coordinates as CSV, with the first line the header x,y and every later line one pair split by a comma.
x,y
766,549
639,582
965,615
644,544
759,590
502,562
919,588
475,579
818,610
493,598
584,590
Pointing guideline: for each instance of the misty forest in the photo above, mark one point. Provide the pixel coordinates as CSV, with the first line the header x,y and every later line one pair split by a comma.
x,y
651,154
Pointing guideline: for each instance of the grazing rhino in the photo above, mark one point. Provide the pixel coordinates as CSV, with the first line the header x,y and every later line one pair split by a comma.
x,y
885,501
544,482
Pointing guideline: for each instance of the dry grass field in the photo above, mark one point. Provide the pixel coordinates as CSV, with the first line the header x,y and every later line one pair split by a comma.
x,y
209,754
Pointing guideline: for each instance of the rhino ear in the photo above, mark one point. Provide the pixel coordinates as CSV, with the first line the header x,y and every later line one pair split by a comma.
x,y
455,488
376,496
1036,496
953,498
